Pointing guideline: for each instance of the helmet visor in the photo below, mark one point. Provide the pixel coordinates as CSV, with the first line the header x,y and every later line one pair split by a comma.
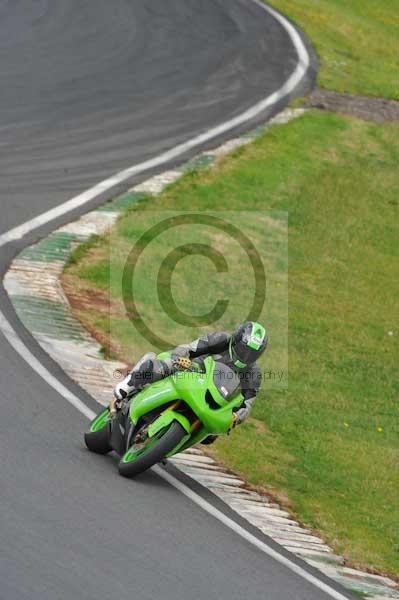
x,y
242,353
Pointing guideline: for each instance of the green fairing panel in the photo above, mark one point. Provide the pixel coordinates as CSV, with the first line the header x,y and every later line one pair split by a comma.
x,y
153,396
191,388
165,419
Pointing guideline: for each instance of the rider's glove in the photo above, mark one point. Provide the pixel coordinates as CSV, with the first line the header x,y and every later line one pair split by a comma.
x,y
182,363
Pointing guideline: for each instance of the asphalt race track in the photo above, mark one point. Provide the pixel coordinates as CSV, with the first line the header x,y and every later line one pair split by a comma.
x,y
89,88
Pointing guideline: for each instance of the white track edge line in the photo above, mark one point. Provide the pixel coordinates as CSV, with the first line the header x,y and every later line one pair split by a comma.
x,y
302,66
15,341
21,230
218,514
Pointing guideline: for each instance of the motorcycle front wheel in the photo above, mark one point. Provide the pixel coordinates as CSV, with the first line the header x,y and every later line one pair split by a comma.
x,y
141,457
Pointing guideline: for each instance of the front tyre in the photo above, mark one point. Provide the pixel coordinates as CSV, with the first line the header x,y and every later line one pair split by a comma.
x,y
138,460
97,438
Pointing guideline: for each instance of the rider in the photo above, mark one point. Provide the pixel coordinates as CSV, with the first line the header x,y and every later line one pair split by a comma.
x,y
238,350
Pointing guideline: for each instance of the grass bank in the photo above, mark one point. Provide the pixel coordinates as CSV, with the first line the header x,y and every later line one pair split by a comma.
x,y
329,442
357,41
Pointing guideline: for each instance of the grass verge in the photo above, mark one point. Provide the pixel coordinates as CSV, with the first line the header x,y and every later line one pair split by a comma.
x,y
357,41
330,442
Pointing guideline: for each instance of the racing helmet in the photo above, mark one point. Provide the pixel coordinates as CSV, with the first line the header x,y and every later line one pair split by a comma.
x,y
247,344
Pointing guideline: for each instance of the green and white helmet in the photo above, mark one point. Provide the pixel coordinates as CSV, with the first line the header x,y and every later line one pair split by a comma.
x,y
247,344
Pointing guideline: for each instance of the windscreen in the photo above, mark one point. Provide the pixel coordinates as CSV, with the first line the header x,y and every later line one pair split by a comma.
x,y
226,380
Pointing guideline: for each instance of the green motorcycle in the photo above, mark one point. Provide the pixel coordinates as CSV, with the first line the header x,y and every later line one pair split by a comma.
x,y
168,416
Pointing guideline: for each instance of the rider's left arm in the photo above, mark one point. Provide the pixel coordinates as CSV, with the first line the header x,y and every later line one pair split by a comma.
x,y
210,343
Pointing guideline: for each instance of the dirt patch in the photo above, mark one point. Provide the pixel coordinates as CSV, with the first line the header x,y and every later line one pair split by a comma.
x,y
87,304
83,297
380,110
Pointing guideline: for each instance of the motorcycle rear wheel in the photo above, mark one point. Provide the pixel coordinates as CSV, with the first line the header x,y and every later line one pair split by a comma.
x,y
134,462
97,438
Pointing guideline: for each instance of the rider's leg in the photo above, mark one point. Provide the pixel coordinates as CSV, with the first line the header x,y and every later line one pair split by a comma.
x,y
148,370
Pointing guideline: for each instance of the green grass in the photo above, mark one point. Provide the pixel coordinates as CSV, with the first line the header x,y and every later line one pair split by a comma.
x,y
330,442
357,41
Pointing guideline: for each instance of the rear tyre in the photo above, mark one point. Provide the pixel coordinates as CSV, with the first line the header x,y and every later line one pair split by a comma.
x,y
135,462
97,438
